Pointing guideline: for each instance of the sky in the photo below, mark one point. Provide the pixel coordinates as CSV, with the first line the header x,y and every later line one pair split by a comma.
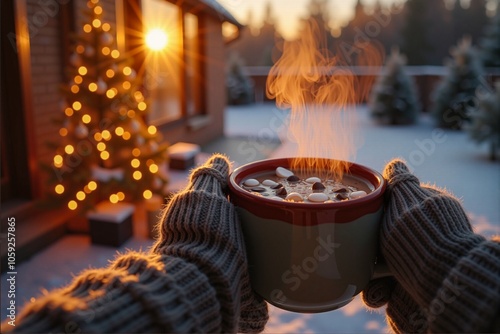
x,y
289,12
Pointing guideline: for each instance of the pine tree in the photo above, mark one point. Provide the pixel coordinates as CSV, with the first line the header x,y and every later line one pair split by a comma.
x,y
394,99
485,122
456,93
415,32
490,44
239,86
106,150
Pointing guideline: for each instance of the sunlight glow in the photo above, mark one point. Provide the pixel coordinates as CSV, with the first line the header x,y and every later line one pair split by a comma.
x,y
156,39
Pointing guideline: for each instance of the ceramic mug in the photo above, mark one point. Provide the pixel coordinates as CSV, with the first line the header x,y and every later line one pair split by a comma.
x,y
309,257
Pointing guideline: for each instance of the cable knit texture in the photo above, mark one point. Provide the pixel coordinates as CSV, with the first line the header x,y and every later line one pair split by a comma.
x,y
450,276
194,279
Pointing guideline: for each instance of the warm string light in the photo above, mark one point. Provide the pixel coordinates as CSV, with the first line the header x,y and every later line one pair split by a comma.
x,y
106,135
80,195
68,111
147,194
141,106
119,131
77,105
106,51
153,168
127,70
59,189
135,163
86,119
69,149
58,161
152,129
82,70
136,152
137,175
115,198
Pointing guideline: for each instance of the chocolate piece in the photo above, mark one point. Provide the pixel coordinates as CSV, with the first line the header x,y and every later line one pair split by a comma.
x,y
293,178
277,186
258,189
318,187
341,196
281,192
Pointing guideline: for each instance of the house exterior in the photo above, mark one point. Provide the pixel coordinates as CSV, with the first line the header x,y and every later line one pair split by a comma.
x,y
185,83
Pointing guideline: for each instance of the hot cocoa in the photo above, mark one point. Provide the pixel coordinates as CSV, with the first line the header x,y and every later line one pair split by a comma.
x,y
286,185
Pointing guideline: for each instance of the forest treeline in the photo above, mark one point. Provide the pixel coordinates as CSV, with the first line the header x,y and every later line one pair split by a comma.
x,y
424,30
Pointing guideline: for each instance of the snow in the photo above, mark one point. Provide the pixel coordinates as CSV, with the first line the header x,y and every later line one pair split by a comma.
x,y
445,158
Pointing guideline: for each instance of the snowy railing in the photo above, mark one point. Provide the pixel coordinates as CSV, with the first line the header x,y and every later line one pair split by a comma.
x,y
426,78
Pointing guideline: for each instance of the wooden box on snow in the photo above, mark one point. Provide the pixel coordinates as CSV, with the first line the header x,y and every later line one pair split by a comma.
x,y
111,224
182,155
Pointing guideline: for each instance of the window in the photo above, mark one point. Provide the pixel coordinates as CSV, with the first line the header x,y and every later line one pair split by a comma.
x,y
193,68
173,73
163,76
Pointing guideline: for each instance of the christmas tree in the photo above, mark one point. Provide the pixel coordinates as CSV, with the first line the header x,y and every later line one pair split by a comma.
x,y
490,44
394,99
485,122
106,150
456,93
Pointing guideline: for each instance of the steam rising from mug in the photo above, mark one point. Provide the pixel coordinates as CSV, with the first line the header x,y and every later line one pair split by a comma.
x,y
319,89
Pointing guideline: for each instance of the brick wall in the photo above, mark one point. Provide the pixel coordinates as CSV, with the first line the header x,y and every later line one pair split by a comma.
x,y
46,75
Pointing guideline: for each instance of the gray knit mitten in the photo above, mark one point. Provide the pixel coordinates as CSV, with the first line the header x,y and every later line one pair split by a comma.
x,y
448,278
201,227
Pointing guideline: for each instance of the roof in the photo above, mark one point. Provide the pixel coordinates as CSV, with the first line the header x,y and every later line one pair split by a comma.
x,y
217,9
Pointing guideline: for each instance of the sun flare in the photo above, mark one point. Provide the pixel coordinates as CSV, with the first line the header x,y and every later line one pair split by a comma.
x,y
156,39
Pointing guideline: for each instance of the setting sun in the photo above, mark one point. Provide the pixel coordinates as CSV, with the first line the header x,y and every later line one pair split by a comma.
x,y
156,39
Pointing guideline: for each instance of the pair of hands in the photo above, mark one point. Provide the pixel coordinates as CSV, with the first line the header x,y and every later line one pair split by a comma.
x,y
408,293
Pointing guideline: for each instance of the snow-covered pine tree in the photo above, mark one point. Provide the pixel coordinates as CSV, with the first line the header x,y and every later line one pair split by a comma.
x,y
490,43
456,94
485,122
393,99
239,85
106,150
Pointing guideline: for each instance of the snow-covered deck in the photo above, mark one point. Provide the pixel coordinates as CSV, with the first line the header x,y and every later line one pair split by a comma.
x,y
445,158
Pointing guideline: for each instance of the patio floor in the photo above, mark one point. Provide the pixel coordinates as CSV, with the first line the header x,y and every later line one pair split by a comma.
x,y
447,159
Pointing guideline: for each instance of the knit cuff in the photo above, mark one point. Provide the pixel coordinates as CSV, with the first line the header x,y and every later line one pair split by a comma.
x,y
138,293
469,299
403,314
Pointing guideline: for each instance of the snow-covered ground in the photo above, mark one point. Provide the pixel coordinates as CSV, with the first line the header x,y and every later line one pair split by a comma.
x,y
448,159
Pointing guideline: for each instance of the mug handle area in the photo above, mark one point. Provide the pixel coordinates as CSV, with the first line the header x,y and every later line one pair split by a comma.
x,y
381,270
